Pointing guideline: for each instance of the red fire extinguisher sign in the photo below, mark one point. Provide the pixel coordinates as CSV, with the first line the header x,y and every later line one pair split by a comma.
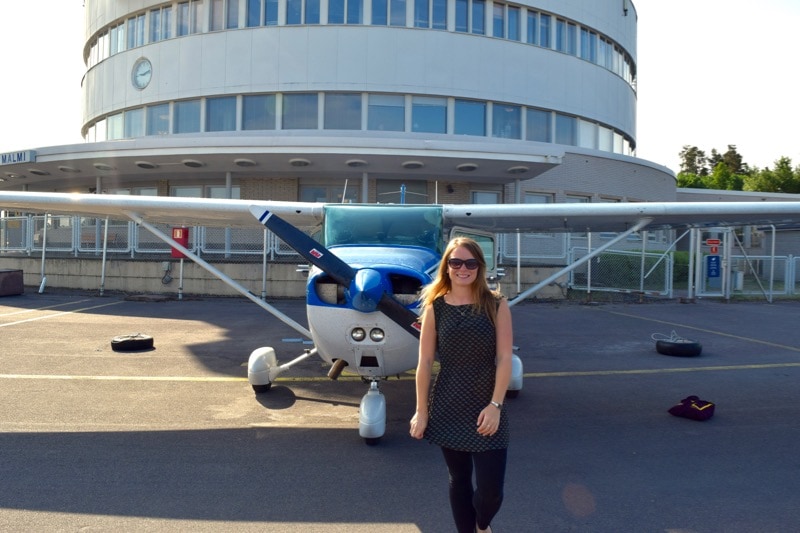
x,y
181,236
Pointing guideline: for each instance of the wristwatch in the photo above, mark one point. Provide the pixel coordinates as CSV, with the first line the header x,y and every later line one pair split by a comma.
x,y
498,405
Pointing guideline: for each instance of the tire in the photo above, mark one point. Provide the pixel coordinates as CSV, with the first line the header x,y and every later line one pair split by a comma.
x,y
679,348
131,343
261,389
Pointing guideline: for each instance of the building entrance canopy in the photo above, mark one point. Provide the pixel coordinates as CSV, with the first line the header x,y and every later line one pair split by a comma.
x,y
304,154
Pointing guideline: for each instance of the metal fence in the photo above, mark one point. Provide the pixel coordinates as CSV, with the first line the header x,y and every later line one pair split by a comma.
x,y
643,263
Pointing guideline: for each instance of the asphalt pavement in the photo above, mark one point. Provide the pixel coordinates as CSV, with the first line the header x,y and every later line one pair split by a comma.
x,y
174,439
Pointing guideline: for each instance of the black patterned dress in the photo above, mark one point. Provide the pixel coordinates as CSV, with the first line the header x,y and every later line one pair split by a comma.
x,y
466,346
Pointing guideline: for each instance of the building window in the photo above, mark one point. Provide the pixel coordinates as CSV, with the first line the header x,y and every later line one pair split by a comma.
x,y
572,39
117,39
605,139
221,113
471,16
160,24
513,23
499,20
561,35
343,111
485,197
587,134
537,126
544,30
380,14
302,12
386,112
345,12
271,12
187,116
300,111
134,123
566,130
397,12
328,193
430,14
115,129
422,16
186,191
158,119
221,192
190,17
224,15
217,22
588,45
136,31
258,112
531,27
429,114
253,17
507,121
470,117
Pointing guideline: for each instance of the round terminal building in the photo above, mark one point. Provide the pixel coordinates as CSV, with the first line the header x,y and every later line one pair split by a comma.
x,y
364,101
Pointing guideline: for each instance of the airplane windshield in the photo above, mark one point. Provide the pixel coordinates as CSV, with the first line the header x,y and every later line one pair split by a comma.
x,y
408,225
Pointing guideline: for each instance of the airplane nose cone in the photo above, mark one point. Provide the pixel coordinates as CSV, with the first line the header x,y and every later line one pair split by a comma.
x,y
366,290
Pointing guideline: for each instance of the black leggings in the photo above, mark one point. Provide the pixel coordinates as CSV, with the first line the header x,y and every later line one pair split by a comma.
x,y
477,505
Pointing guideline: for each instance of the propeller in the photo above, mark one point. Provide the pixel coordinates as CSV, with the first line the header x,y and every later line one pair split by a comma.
x,y
365,286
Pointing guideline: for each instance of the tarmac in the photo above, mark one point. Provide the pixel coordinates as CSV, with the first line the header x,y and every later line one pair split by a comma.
x,y
174,439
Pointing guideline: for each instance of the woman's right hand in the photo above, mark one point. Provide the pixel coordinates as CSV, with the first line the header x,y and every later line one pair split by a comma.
x,y
418,424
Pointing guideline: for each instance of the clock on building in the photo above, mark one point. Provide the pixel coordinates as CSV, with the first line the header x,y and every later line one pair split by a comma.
x,y
142,73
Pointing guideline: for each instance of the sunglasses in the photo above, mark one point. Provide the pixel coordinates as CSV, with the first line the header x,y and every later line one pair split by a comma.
x,y
455,263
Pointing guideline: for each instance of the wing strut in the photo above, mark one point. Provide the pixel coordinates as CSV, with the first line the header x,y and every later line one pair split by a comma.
x,y
230,282
569,268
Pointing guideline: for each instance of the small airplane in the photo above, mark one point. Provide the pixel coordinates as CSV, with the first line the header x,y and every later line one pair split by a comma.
x,y
368,262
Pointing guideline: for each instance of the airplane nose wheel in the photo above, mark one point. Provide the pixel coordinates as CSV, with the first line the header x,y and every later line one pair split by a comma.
x,y
372,415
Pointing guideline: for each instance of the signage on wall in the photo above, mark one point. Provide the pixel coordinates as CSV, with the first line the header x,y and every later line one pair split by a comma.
x,y
24,156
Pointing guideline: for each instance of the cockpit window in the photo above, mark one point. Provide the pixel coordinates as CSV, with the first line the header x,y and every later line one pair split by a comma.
x,y
408,225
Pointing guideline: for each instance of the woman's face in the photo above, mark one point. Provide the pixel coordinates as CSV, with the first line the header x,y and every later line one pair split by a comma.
x,y
461,275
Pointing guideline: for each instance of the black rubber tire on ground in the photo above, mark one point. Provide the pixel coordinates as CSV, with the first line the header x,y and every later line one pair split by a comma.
x,y
261,389
132,343
679,348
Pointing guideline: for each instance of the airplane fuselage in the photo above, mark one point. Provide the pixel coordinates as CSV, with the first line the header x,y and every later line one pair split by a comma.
x,y
373,345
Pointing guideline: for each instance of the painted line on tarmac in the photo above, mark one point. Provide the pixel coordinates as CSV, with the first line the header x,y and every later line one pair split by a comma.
x,y
404,377
45,308
705,330
643,371
62,313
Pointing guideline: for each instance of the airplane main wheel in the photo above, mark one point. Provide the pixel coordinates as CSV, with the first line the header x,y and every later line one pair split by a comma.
x,y
512,393
260,389
372,441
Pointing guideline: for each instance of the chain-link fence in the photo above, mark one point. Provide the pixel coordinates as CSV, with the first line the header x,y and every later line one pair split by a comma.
x,y
633,265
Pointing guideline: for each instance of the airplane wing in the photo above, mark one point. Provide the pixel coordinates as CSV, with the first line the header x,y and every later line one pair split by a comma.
x,y
168,210
618,217
499,218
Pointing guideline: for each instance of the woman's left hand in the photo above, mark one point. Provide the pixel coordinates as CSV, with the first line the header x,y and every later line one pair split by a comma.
x,y
489,421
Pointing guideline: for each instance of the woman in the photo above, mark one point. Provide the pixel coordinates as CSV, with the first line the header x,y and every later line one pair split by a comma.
x,y
469,326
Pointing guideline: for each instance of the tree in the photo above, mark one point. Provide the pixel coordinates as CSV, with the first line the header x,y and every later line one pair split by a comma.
x,y
734,161
722,178
693,161
782,179
690,181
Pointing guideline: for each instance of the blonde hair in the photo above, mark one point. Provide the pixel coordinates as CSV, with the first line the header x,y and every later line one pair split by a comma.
x,y
484,299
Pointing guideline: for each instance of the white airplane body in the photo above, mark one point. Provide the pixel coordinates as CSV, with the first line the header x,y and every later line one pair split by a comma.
x,y
373,260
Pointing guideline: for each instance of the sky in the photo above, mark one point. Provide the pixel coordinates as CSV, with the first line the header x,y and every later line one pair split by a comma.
x,y
710,73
